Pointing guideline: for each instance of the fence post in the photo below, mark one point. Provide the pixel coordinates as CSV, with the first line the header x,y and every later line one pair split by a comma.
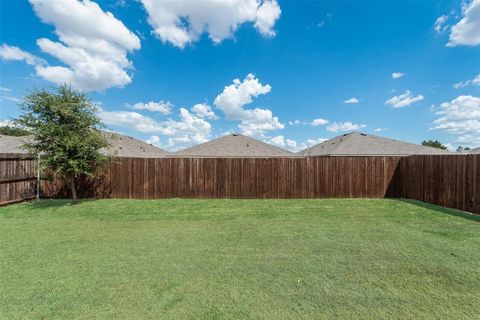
x,y
38,177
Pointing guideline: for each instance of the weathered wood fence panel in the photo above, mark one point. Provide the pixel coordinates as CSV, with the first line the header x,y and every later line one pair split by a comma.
x,y
17,179
248,178
446,180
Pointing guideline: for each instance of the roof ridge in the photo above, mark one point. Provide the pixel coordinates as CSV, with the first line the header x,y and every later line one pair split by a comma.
x,y
228,144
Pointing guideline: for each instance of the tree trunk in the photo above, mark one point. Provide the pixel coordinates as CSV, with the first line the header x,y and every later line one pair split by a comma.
x,y
74,191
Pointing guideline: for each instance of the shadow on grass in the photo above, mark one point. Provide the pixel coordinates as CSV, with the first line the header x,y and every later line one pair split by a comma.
x,y
449,211
56,203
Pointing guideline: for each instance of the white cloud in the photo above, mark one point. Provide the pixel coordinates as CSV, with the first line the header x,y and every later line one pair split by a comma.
x,y
163,107
267,15
93,46
155,140
379,129
309,142
352,100
295,123
475,81
281,142
12,99
12,53
187,130
182,22
312,142
278,141
460,117
3,89
344,126
203,110
132,120
6,123
319,122
235,96
397,75
450,147
440,25
404,100
467,30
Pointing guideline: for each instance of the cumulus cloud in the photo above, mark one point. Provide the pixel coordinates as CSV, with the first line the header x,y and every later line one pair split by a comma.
x,y
352,100
319,122
312,142
240,93
182,22
441,25
203,110
188,129
7,123
397,75
155,140
295,123
9,98
475,81
92,46
379,129
282,142
163,107
344,126
131,120
467,30
404,100
460,117
309,142
13,53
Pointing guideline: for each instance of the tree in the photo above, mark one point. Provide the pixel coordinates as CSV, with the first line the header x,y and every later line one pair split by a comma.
x,y
13,131
434,144
461,149
66,133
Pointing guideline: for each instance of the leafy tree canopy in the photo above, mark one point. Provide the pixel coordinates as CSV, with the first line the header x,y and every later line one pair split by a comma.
x,y
460,149
434,144
66,132
13,131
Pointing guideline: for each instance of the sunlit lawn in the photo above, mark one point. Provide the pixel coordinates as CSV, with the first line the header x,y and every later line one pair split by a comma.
x,y
235,259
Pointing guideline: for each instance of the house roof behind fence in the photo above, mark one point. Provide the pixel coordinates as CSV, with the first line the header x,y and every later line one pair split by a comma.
x,y
362,144
474,151
12,144
122,146
234,145
126,146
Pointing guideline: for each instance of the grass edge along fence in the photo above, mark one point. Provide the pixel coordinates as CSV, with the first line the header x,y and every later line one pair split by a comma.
x,y
447,180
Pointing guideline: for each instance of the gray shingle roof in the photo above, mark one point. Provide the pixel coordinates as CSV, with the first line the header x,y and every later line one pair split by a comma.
x,y
126,146
12,145
233,145
474,151
122,146
361,144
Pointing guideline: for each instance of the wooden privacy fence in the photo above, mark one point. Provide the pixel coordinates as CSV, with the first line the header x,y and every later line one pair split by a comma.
x,y
446,180
450,180
248,178
18,178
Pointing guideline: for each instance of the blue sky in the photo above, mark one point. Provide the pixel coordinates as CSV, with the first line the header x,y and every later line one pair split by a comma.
x,y
177,73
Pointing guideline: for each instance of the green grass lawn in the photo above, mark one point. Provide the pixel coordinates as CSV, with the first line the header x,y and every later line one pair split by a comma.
x,y
238,259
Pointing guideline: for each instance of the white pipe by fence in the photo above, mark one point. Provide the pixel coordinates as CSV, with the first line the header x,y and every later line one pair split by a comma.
x,y
38,177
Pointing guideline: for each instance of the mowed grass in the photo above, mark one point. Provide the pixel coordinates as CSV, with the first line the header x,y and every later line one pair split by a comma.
x,y
238,259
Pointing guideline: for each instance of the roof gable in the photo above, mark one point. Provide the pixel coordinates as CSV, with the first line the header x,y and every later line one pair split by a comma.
x,y
234,145
121,145
357,143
